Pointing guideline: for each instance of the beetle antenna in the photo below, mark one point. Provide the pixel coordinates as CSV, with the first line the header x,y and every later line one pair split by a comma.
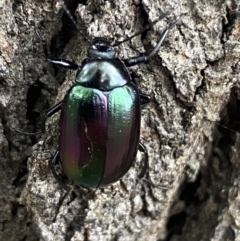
x,y
74,22
146,28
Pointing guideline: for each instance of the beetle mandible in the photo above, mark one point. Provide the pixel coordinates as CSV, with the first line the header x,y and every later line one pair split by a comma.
x,y
100,114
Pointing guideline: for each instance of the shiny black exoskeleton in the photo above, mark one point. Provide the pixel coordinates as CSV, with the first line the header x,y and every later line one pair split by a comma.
x,y
100,114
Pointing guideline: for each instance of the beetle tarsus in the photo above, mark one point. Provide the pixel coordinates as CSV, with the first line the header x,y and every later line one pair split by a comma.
x,y
60,203
144,98
143,149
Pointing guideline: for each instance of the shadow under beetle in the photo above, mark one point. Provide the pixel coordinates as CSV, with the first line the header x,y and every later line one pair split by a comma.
x,y
100,114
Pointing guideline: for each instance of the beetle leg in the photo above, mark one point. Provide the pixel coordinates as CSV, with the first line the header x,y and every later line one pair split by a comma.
x,y
62,63
145,58
145,99
51,112
60,204
58,62
54,109
143,149
52,165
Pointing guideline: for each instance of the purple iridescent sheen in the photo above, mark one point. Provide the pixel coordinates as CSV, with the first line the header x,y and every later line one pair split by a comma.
x,y
99,131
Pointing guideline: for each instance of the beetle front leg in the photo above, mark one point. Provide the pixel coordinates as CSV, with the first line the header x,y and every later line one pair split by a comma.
x,y
62,63
145,58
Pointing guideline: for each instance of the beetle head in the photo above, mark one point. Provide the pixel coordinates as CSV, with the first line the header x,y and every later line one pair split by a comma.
x,y
101,49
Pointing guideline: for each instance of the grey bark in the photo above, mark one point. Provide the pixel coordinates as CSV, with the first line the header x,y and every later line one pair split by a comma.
x,y
191,127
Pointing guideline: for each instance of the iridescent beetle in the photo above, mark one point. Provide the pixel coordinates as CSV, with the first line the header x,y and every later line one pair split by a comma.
x,y
100,114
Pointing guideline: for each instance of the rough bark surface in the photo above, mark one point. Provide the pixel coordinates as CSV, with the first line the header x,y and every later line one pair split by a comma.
x,y
190,128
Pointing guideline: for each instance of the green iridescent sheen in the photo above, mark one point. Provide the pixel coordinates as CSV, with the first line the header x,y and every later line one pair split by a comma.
x,y
82,158
100,124
120,114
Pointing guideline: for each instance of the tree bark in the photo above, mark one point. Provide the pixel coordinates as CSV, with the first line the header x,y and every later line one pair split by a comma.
x,y
190,128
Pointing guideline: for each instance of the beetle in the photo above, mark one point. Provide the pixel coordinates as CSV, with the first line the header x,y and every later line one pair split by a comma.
x,y
100,114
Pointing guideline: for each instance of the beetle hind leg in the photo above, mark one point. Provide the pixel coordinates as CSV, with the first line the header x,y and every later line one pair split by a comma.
x,y
69,190
143,172
52,164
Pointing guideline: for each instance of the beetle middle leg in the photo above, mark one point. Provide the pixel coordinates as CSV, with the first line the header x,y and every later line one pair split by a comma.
x,y
54,109
51,112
